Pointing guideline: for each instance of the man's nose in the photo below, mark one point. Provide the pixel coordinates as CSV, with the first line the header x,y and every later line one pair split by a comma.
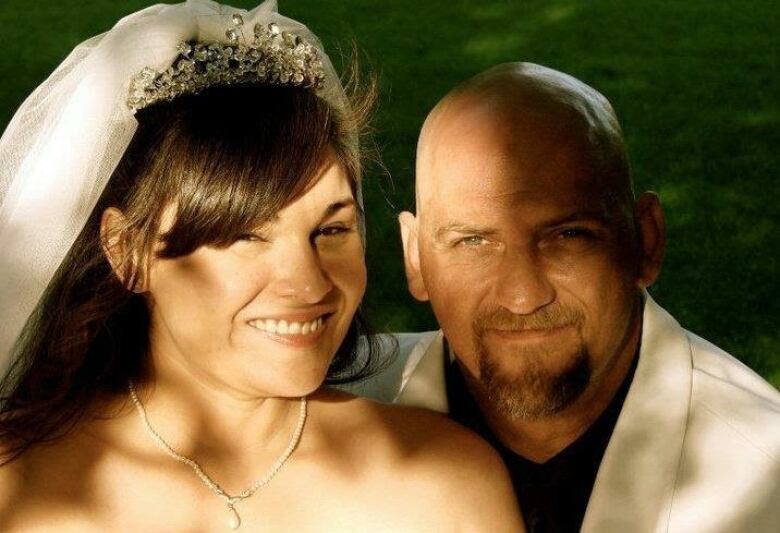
x,y
523,284
299,275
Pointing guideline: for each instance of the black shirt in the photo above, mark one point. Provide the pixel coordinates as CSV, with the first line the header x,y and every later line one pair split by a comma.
x,y
554,495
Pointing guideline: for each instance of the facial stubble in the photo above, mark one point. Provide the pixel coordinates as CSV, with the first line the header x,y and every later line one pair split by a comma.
x,y
534,391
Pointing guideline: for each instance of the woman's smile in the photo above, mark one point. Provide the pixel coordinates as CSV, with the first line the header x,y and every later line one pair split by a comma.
x,y
293,333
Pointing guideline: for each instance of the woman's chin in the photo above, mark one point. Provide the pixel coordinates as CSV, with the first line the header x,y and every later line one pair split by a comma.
x,y
300,389
292,386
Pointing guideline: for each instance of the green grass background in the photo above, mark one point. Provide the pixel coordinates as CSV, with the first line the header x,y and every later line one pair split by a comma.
x,y
694,82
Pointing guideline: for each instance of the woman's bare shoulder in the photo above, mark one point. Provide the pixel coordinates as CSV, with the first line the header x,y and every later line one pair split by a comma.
x,y
51,484
12,481
11,470
435,455
414,432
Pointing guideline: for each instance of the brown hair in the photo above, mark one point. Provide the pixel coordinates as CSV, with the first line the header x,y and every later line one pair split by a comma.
x,y
229,159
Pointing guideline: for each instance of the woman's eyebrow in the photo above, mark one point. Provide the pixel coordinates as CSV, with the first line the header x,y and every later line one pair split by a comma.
x,y
337,206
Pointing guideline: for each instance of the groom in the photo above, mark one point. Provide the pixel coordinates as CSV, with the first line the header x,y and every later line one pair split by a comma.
x,y
535,254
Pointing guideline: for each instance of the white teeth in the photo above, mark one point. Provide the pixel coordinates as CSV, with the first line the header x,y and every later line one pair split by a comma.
x,y
282,327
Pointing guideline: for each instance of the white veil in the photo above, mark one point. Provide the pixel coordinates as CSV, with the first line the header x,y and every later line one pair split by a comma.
x,y
66,139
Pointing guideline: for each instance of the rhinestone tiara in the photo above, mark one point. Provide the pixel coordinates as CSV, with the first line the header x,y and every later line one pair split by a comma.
x,y
273,57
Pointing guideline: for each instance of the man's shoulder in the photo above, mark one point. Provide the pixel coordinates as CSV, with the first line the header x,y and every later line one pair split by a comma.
x,y
695,420
734,397
711,362
732,439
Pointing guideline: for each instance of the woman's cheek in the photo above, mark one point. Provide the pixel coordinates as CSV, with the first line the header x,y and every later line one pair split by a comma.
x,y
347,268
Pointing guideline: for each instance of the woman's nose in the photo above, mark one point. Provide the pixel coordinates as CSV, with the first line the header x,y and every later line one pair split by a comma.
x,y
299,275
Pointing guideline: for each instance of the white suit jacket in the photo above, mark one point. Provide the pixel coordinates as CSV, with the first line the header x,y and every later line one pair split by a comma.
x,y
696,446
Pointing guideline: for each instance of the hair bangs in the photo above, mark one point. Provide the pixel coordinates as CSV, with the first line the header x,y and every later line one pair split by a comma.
x,y
239,160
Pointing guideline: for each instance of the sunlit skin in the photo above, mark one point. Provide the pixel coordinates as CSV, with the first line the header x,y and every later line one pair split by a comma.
x,y
208,359
226,393
532,276
304,265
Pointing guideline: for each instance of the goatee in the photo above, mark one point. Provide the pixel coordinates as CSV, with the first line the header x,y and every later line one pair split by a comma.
x,y
536,393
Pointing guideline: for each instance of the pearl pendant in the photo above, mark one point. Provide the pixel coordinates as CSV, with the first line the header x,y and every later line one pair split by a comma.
x,y
234,522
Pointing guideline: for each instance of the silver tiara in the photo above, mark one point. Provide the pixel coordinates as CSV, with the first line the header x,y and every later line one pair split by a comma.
x,y
273,57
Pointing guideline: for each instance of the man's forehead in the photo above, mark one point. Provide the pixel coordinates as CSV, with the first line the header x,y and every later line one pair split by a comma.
x,y
475,140
468,204
539,130
484,177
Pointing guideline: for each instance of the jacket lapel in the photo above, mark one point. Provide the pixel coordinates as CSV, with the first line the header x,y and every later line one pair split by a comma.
x,y
635,483
422,382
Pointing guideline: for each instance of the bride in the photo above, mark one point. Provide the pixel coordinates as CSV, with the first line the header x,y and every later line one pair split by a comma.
x,y
181,254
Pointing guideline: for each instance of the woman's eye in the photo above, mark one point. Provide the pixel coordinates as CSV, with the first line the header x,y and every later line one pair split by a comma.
x,y
332,231
250,237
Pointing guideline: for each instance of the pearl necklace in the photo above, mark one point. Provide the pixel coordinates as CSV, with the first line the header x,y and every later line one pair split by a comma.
x,y
234,520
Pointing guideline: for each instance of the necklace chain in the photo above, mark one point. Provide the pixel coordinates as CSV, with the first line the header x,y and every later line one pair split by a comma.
x,y
205,478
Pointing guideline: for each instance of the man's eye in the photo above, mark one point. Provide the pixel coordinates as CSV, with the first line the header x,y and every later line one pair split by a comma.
x,y
573,233
472,241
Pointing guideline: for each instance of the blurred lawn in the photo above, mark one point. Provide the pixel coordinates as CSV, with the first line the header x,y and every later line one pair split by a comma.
x,y
695,84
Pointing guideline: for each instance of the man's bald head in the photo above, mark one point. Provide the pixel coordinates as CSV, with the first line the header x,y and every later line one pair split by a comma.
x,y
517,103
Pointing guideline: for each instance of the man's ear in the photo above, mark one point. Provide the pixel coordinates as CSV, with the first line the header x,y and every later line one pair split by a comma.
x,y
651,228
123,261
409,237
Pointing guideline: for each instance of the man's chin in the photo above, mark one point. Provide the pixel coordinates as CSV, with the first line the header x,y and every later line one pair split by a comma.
x,y
534,391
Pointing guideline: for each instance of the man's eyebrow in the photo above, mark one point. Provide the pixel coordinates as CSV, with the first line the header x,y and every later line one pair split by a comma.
x,y
337,206
579,216
464,229
596,216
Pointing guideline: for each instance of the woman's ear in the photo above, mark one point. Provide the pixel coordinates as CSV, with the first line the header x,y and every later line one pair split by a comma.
x,y
124,261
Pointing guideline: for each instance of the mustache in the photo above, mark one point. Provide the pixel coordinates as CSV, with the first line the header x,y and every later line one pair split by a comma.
x,y
549,317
